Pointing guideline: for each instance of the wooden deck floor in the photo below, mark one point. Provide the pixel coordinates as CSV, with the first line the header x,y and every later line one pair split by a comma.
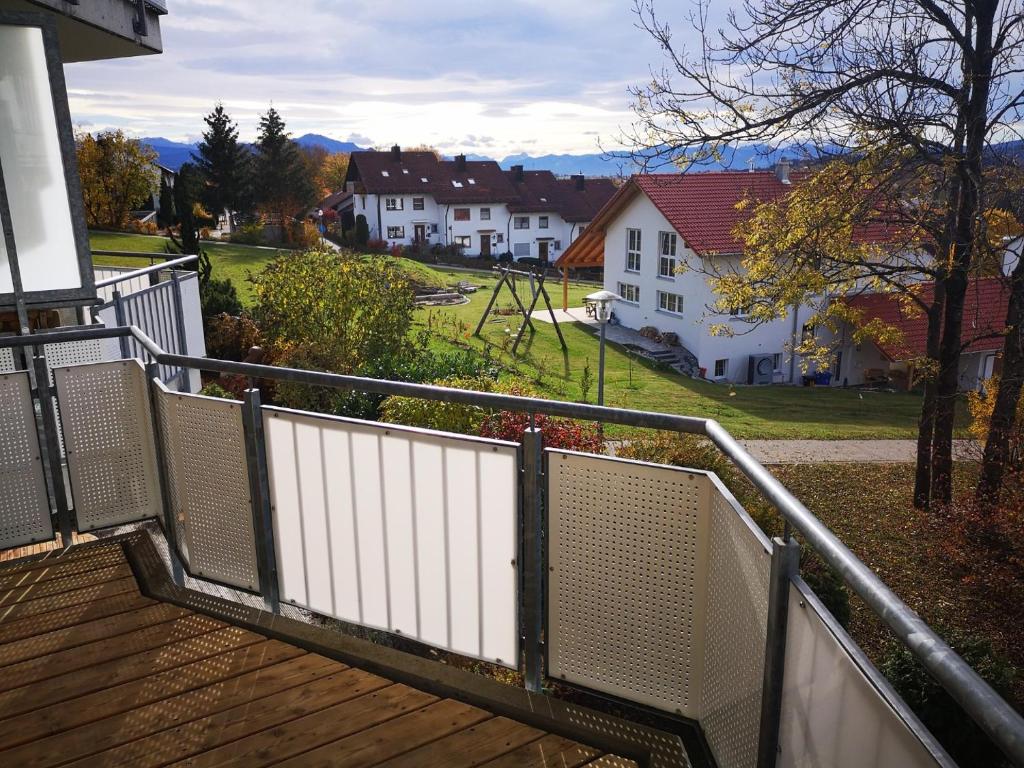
x,y
93,673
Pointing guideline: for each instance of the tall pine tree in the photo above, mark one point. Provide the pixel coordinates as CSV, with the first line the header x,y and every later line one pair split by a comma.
x,y
223,164
281,179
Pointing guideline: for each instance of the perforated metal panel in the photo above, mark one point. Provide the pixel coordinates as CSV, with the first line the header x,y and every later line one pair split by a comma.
x,y
627,555
204,447
24,508
406,530
832,713
736,631
109,436
7,360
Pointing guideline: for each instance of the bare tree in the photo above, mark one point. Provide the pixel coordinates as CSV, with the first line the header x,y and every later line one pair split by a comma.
x,y
939,78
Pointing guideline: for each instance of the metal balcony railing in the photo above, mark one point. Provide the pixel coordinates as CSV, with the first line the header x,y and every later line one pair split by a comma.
x,y
642,582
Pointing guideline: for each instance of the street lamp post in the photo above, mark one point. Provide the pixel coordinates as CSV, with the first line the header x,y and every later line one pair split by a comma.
x,y
602,301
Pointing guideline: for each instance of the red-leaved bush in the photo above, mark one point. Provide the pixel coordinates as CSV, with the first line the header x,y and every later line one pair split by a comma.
x,y
555,433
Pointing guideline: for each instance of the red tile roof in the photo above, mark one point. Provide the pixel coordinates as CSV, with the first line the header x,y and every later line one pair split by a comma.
x,y
701,207
380,173
984,318
476,181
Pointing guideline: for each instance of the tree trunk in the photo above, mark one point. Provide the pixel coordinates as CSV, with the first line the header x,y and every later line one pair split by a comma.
x,y
969,206
926,425
1004,412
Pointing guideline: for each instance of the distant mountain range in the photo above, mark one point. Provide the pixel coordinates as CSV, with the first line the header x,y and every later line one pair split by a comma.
x,y
173,154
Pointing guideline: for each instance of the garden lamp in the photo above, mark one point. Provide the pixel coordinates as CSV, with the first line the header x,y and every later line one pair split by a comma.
x,y
602,301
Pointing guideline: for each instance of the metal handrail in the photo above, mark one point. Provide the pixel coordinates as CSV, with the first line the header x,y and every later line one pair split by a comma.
x,y
994,715
145,271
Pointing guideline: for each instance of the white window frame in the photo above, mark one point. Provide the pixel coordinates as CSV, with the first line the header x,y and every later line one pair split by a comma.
x,y
521,250
630,293
542,222
468,212
485,214
396,233
665,299
418,203
521,222
667,267
464,241
394,204
634,244
724,362
667,243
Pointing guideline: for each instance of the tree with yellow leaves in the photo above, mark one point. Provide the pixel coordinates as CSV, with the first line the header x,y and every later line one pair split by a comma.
x,y
118,174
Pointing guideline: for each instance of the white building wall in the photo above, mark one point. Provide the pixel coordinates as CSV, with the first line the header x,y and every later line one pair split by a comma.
x,y
556,233
407,217
476,227
694,324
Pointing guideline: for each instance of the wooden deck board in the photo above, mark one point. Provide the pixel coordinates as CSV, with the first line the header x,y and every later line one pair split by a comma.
x,y
93,673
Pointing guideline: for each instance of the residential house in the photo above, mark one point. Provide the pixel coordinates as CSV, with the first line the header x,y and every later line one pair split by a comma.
x,y
415,197
892,362
659,238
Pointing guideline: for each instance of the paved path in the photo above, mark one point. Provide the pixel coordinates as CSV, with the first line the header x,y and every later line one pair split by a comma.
x,y
835,451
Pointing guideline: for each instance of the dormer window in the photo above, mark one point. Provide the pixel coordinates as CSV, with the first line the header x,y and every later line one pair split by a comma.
x,y
457,184
405,171
543,199
471,181
385,174
424,179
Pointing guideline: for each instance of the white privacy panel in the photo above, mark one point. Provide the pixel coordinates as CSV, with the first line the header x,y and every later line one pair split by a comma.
x,y
833,715
405,530
108,432
627,550
208,485
24,508
30,153
735,633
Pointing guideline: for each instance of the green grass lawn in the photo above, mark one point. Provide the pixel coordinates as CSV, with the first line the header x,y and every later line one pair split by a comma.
x,y
748,412
229,260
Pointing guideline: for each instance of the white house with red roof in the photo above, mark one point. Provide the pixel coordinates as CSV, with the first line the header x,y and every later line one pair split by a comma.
x,y
656,223
414,197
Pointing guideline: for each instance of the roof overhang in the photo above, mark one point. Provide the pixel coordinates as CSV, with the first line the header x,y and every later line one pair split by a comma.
x,y
99,29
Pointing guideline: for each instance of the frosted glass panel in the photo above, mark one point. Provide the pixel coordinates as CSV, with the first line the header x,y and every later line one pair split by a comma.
x,y
33,168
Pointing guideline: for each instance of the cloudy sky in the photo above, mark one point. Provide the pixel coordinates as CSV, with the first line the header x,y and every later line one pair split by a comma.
x,y
494,77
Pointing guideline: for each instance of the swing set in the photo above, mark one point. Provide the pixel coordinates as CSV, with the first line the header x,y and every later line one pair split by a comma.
x,y
536,280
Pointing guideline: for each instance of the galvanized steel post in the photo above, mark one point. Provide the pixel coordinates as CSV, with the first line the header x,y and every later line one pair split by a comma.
x,y
785,565
179,322
169,522
120,319
51,449
259,490
533,577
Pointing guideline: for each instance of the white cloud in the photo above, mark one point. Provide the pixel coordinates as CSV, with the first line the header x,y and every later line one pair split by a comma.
x,y
551,76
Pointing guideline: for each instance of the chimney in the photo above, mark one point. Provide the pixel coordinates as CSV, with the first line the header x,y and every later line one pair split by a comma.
x,y
517,172
396,153
460,163
782,169
580,181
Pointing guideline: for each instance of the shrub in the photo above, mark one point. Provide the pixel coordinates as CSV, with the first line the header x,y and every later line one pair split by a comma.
x,y
377,246
303,235
213,389
362,231
965,741
205,234
219,297
443,416
336,312
230,338
249,234
566,434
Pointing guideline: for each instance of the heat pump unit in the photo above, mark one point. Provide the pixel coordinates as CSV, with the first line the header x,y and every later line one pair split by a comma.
x,y
760,369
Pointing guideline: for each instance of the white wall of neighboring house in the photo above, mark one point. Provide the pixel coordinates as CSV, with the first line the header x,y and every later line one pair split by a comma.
x,y
405,216
476,227
555,234
694,324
